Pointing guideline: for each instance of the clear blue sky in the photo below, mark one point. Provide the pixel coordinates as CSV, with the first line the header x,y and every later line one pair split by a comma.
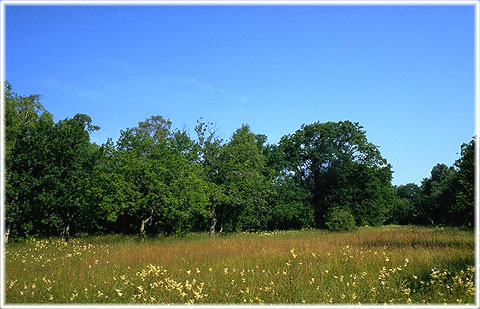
x,y
406,73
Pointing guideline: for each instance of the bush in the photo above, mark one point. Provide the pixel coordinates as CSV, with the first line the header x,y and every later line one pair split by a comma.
x,y
339,219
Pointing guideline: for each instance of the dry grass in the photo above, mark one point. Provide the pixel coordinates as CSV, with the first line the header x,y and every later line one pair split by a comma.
x,y
372,265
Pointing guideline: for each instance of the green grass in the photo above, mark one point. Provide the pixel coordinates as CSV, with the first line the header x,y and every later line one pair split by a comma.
x,y
372,265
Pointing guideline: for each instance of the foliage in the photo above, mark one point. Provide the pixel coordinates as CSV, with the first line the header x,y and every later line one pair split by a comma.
x,y
241,168
336,163
27,125
155,179
462,211
339,219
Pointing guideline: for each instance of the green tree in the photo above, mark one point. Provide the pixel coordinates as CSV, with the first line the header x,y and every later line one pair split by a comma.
x,y
289,200
336,163
209,148
462,211
437,195
155,127
241,171
69,171
154,182
290,205
137,187
99,211
48,166
406,207
27,129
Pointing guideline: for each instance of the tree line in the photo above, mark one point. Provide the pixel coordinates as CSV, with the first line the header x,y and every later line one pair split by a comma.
x,y
156,179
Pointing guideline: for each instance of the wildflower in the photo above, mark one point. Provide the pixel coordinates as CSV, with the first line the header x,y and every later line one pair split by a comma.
x,y
119,292
293,253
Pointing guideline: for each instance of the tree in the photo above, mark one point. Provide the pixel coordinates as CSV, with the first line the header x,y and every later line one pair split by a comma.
x,y
155,127
365,190
154,182
289,200
27,127
463,210
209,148
138,179
437,195
406,208
100,212
290,205
336,163
69,170
242,163
48,166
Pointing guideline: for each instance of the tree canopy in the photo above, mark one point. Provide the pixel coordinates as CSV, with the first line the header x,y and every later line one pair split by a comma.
x,y
156,179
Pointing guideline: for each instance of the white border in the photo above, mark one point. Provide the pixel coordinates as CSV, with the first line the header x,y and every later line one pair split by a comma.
x,y
474,3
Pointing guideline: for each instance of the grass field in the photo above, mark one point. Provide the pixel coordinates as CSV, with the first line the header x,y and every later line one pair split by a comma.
x,y
372,265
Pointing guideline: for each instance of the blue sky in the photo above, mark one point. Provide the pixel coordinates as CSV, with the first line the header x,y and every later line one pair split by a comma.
x,y
405,73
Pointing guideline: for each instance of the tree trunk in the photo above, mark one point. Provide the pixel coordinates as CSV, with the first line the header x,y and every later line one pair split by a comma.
x,y
7,232
318,204
142,226
214,218
66,232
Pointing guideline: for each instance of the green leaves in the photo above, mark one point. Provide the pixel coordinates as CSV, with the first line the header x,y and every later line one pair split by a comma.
x,y
336,163
155,179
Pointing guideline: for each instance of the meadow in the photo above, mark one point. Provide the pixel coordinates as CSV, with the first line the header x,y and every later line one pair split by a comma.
x,y
384,265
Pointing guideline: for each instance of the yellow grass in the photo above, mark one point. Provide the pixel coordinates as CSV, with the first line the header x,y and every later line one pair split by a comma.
x,y
372,265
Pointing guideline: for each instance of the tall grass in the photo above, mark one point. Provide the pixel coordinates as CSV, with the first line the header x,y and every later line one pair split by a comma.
x,y
372,265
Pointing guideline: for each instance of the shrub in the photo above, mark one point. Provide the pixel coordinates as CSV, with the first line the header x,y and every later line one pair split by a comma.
x,y
339,219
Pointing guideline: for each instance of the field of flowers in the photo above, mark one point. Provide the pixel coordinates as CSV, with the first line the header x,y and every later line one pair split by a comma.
x,y
372,265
